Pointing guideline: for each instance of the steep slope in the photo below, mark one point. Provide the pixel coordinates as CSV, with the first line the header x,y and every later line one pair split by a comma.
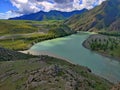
x,y
46,73
51,15
10,55
101,17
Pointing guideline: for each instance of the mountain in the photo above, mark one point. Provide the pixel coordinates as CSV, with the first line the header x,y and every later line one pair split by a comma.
x,y
51,15
103,17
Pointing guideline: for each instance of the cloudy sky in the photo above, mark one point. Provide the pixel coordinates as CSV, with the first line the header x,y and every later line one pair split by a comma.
x,y
13,8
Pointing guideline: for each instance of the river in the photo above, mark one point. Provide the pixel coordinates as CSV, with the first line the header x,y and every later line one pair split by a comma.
x,y
71,48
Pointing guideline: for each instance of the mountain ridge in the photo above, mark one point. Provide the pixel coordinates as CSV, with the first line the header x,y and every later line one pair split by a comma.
x,y
51,15
99,18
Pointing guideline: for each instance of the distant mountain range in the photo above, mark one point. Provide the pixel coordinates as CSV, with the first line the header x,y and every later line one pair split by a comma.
x,y
51,15
103,17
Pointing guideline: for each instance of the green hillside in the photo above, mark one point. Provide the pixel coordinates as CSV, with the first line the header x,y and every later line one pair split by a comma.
x,y
21,35
46,73
24,26
10,55
105,17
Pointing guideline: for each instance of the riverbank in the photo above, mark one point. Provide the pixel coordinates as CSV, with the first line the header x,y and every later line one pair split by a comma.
x,y
58,74
71,48
21,71
45,53
27,51
101,38
24,42
21,35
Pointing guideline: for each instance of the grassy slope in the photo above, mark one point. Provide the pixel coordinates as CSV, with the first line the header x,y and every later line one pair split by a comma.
x,y
8,55
38,31
105,16
34,73
24,26
20,72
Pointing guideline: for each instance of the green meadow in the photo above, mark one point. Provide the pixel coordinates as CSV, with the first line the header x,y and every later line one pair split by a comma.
x,y
21,34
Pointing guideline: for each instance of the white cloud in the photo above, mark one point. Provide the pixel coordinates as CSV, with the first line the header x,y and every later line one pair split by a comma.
x,y
21,1
8,14
91,3
26,6
46,5
32,6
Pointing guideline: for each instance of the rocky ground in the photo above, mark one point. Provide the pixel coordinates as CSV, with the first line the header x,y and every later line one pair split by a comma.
x,y
116,87
47,73
8,55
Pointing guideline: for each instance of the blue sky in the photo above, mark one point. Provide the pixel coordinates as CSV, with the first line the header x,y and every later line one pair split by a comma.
x,y
6,5
13,8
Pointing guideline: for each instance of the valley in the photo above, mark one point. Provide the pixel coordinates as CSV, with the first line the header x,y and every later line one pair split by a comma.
x,y
60,45
30,33
71,48
19,69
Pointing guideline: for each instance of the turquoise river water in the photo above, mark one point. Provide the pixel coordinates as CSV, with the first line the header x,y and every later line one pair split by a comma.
x,y
71,48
